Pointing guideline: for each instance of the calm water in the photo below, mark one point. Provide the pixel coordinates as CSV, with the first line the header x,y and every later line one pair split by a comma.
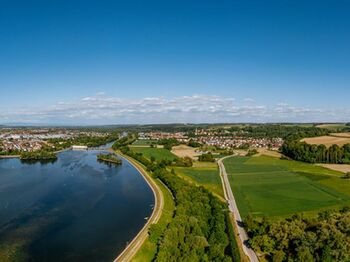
x,y
72,210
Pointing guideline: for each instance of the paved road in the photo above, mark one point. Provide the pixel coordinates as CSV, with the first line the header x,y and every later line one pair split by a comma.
x,y
132,248
234,209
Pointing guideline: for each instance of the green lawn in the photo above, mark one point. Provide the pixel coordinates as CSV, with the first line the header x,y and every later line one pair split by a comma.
x,y
273,187
157,153
205,174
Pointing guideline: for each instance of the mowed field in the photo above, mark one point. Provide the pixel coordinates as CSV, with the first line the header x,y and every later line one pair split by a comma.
x,y
327,140
157,153
267,186
204,174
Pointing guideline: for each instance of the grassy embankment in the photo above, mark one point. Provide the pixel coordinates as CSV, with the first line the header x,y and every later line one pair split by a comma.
x,y
267,186
148,249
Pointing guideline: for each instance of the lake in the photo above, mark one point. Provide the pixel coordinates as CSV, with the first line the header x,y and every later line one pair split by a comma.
x,y
71,210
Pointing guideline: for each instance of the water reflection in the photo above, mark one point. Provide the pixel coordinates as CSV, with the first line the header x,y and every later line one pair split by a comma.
x,y
41,161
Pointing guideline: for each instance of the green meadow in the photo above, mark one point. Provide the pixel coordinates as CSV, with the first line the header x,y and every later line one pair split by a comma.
x,y
204,174
158,153
267,186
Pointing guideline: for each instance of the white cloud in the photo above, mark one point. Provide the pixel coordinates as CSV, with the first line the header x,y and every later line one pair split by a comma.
x,y
248,99
102,109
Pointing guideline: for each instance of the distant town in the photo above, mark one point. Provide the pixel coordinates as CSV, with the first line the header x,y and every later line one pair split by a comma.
x,y
30,140
219,139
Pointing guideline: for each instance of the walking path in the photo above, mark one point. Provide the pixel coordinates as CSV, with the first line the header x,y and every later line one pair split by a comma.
x,y
139,239
234,209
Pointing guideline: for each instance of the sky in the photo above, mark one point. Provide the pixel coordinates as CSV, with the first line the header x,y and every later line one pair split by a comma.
x,y
129,62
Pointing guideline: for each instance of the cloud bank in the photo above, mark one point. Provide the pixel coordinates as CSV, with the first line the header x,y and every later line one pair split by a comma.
x,y
103,109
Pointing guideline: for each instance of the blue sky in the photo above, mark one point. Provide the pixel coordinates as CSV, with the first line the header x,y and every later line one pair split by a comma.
x,y
91,61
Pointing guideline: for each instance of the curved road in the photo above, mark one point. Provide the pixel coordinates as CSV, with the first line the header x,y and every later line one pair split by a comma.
x,y
234,209
140,238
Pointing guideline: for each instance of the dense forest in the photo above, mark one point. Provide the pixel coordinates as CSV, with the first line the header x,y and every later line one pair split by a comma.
x,y
325,238
199,230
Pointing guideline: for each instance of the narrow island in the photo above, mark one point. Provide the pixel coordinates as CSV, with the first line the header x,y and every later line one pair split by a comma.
x,y
110,158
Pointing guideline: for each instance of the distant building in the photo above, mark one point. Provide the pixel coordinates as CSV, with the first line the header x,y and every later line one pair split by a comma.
x,y
79,147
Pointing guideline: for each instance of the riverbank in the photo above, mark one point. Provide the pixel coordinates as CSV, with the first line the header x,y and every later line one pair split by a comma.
x,y
55,152
19,156
132,248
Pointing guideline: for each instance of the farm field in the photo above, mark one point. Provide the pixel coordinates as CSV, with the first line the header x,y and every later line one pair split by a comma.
x,y
344,134
327,140
337,167
267,152
204,174
184,150
332,126
267,186
157,153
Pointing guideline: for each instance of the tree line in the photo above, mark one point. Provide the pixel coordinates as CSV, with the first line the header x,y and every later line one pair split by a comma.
x,y
302,151
282,131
